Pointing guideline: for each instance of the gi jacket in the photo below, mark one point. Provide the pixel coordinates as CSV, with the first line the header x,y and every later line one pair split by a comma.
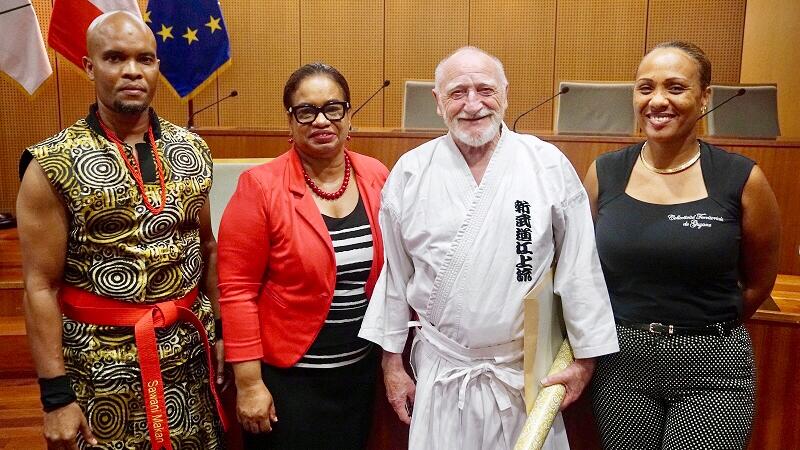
x,y
276,263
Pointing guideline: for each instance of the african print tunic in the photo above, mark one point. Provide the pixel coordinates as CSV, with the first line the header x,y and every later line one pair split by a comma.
x,y
117,248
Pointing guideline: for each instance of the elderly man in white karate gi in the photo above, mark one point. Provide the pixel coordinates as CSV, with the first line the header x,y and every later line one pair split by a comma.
x,y
471,222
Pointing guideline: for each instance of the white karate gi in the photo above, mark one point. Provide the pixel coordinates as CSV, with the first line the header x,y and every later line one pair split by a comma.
x,y
452,253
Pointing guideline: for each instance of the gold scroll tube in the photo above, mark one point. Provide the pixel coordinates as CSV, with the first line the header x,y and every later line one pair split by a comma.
x,y
546,406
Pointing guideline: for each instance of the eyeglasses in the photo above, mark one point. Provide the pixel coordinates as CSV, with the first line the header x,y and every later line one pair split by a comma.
x,y
332,111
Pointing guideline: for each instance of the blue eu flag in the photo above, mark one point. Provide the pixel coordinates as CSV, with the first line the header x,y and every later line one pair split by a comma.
x,y
193,43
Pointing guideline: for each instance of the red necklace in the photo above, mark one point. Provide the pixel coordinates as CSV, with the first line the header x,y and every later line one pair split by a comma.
x,y
135,168
330,195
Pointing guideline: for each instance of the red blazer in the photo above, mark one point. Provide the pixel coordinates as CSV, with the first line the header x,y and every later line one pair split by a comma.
x,y
276,264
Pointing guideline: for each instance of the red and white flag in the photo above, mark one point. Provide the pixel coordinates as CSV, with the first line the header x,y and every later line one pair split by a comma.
x,y
22,53
70,20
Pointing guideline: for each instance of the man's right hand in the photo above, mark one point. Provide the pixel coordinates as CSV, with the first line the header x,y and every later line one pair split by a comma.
x,y
62,425
400,388
254,408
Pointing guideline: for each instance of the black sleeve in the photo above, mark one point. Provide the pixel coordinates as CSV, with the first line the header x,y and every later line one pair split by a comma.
x,y
613,169
24,162
728,175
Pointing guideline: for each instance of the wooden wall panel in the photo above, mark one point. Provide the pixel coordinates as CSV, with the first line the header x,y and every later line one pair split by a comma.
x,y
716,26
598,40
24,121
265,49
419,34
75,92
522,35
169,106
774,57
331,34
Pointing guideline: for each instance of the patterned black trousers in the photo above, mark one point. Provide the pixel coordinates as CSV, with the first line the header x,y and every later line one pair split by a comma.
x,y
675,392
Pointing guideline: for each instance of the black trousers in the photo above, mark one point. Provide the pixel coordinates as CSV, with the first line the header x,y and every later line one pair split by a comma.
x,y
675,392
319,408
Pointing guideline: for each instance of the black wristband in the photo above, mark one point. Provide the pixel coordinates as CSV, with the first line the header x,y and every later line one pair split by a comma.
x,y
56,392
218,329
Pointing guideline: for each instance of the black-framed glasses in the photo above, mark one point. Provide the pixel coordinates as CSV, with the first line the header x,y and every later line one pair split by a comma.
x,y
332,111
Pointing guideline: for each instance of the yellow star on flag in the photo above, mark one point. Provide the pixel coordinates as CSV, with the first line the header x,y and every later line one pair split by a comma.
x,y
165,33
213,24
146,17
191,35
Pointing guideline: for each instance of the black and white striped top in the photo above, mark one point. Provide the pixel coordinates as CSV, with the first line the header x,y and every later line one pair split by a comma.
x,y
338,344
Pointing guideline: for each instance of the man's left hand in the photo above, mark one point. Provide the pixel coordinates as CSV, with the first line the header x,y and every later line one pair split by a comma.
x,y
574,378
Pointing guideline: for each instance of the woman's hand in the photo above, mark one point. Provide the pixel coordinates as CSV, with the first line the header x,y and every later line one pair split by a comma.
x,y
255,409
254,406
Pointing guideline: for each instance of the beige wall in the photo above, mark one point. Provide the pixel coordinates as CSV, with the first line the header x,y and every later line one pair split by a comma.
x,y
541,42
771,54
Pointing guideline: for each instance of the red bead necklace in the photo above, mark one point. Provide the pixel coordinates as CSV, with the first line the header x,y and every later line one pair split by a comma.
x,y
135,168
330,195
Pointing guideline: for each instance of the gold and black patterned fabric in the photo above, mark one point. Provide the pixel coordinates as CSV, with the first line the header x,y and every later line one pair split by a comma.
x,y
118,249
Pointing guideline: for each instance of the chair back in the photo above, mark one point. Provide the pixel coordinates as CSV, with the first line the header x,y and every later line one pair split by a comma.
x,y
595,108
226,178
752,115
419,107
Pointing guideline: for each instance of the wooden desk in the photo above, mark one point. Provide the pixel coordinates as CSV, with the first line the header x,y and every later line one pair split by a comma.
x,y
779,159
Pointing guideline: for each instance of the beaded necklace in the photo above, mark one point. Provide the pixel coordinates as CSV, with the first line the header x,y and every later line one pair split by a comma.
x,y
135,168
330,195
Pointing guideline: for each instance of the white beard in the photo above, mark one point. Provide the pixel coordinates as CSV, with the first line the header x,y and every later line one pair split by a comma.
x,y
475,139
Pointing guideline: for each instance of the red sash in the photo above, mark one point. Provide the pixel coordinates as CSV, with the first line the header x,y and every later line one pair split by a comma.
x,y
83,306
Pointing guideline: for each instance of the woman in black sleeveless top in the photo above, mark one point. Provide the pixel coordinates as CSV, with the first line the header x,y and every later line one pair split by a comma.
x,y
688,236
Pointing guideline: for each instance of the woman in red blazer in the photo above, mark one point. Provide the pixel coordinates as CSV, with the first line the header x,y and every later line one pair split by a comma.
x,y
299,253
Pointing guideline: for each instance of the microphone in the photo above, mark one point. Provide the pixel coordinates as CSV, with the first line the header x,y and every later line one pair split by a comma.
x,y
563,90
190,122
383,86
738,93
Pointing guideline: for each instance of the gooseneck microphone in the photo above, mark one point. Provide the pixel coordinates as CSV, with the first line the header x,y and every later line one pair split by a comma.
x,y
563,90
738,93
383,86
190,122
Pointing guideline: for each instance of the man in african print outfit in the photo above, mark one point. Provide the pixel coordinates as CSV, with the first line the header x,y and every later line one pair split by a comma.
x,y
114,228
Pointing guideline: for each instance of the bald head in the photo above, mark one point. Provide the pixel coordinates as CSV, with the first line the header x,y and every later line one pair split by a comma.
x,y
462,59
112,25
470,92
122,63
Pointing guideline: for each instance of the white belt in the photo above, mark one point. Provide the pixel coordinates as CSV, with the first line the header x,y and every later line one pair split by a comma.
x,y
473,362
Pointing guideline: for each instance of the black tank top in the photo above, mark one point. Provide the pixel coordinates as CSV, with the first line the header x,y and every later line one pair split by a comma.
x,y
675,264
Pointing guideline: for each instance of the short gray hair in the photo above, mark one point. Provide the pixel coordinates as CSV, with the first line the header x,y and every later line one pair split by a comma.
x,y
439,73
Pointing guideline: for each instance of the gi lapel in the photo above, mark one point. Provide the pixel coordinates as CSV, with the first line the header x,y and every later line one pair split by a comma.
x,y
455,260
